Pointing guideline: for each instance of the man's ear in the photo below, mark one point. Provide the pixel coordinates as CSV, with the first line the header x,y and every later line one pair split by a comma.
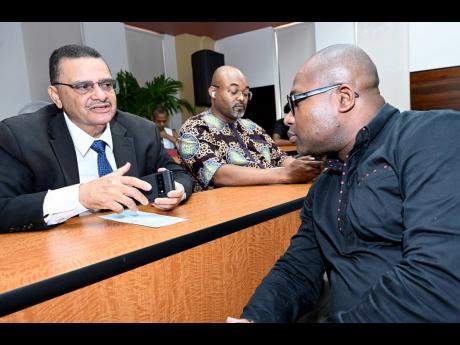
x,y
52,92
346,98
212,92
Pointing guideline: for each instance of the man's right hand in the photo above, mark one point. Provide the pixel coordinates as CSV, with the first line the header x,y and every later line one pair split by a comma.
x,y
114,191
303,169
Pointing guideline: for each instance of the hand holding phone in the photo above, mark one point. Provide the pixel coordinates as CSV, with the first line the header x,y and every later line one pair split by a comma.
x,y
315,157
162,183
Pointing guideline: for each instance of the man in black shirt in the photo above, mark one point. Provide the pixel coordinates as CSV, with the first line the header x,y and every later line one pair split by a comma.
x,y
383,219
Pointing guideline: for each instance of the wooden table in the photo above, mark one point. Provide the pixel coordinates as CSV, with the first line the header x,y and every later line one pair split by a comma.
x,y
288,148
201,270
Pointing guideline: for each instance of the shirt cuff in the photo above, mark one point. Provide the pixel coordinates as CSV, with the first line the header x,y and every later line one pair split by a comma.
x,y
62,204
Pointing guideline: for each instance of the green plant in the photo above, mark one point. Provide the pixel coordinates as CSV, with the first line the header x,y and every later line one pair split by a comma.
x,y
143,100
129,90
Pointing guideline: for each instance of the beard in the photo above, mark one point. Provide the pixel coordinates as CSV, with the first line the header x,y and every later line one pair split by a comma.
x,y
237,112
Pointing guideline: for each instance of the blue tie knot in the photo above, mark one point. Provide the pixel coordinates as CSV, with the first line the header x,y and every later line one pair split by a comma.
x,y
98,146
103,165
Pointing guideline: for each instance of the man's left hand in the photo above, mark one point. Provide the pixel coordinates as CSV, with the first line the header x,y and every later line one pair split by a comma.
x,y
174,198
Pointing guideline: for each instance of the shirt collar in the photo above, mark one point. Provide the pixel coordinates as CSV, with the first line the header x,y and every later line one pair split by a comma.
x,y
365,134
224,123
83,140
373,128
333,163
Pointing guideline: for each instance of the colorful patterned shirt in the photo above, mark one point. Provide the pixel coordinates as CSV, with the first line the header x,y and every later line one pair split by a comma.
x,y
206,143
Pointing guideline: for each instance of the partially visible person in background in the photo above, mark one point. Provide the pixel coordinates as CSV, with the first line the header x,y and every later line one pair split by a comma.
x,y
168,136
280,131
221,148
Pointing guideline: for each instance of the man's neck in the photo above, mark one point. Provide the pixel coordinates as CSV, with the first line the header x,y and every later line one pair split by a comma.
x,y
342,154
220,116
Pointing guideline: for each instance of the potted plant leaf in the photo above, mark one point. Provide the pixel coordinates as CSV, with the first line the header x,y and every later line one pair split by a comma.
x,y
142,100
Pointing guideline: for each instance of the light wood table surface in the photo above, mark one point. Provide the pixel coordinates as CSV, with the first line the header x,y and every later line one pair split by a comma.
x,y
201,270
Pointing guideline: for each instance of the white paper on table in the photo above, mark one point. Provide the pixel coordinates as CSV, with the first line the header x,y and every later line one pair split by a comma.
x,y
143,218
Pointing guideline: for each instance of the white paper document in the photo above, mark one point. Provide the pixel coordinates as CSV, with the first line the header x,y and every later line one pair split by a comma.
x,y
143,218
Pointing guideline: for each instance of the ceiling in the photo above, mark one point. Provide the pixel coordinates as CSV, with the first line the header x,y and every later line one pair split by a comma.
x,y
214,30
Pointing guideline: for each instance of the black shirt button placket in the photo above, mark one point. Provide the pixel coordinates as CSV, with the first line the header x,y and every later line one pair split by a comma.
x,y
341,195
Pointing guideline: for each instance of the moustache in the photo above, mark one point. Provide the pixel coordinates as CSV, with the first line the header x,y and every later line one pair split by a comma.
x,y
99,104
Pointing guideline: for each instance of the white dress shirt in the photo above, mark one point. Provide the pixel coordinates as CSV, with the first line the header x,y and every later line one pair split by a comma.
x,y
168,144
63,203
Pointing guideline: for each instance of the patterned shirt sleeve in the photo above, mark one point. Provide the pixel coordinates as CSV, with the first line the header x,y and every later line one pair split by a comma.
x,y
277,155
266,150
206,143
199,150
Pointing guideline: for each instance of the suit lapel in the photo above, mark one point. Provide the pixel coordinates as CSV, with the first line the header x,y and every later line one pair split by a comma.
x,y
123,147
63,147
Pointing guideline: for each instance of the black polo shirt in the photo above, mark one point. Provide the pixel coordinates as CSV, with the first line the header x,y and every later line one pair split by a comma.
x,y
281,129
384,224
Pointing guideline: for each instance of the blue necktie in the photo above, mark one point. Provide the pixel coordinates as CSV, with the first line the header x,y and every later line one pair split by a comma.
x,y
103,165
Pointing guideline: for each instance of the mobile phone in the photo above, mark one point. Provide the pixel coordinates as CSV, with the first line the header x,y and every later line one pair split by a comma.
x,y
162,183
315,157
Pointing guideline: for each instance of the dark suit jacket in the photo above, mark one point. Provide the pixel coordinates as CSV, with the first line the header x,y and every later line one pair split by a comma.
x,y
37,154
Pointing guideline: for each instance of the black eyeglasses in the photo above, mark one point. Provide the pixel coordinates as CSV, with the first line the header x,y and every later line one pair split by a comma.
x,y
293,100
83,87
235,92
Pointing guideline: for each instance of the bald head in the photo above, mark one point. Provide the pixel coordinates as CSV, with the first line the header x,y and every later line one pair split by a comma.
x,y
223,74
229,93
330,121
342,63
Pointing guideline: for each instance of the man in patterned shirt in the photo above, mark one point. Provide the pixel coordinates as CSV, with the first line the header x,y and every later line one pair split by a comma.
x,y
220,148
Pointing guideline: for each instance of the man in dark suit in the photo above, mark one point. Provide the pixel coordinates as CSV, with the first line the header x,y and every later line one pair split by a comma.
x,y
49,170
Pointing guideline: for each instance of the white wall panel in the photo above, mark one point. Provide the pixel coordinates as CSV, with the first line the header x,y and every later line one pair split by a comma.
x,y
14,87
145,54
253,52
433,45
387,45
109,39
170,63
296,44
40,40
328,33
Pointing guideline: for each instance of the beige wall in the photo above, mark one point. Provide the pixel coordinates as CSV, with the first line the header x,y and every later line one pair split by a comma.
x,y
186,45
